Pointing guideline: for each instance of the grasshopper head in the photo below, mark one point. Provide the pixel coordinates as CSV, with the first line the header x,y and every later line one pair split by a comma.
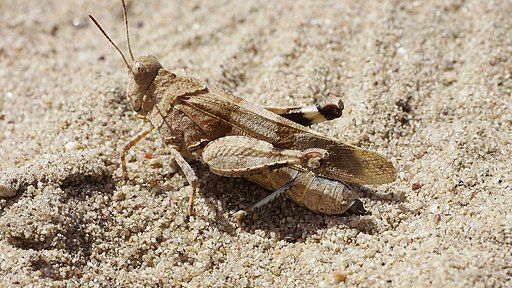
x,y
141,72
140,77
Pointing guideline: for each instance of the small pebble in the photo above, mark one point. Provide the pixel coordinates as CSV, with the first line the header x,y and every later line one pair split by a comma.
x,y
6,191
155,163
339,276
416,185
437,218
73,146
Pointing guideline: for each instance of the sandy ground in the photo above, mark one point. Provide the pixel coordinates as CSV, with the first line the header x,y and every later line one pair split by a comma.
x,y
428,84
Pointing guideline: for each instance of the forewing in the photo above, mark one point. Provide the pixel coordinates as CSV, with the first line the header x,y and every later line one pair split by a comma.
x,y
223,114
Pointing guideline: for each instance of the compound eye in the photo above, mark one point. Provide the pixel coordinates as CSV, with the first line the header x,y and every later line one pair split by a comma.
x,y
139,68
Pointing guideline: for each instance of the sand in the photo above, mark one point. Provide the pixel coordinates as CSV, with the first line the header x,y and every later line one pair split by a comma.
x,y
428,84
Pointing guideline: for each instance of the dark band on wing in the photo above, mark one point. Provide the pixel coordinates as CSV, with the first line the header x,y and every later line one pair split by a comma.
x,y
306,116
298,117
330,109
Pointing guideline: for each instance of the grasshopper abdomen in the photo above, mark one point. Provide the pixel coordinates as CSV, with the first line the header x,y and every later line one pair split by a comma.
x,y
314,192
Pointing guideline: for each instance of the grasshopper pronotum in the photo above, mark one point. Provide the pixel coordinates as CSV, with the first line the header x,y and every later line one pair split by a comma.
x,y
240,139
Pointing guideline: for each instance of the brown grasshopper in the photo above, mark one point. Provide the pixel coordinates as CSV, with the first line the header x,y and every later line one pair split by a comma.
x,y
236,138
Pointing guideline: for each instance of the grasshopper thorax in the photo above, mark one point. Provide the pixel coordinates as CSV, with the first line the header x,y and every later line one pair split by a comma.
x,y
140,77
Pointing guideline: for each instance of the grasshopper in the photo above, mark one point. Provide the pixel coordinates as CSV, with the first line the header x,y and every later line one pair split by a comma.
x,y
236,138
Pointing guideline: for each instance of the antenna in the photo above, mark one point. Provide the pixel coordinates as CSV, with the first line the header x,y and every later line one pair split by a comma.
x,y
112,42
127,34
